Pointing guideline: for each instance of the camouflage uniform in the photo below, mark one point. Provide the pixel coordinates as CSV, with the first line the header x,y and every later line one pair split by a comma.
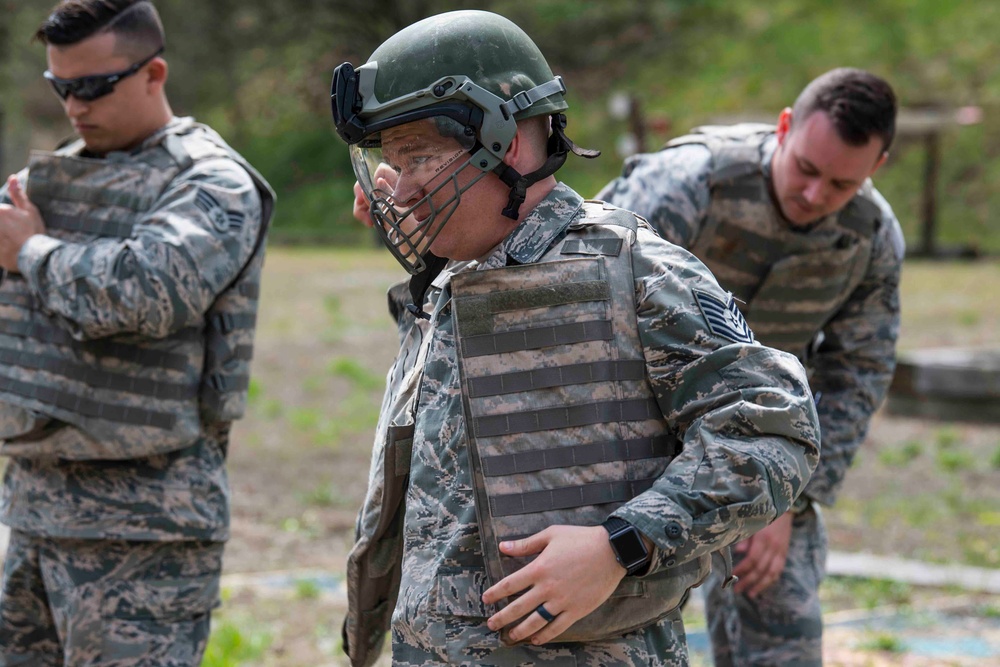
x,y
828,294
128,335
419,556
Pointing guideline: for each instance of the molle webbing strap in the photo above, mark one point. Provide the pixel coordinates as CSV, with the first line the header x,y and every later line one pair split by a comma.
x,y
129,353
68,223
566,417
558,376
536,338
578,455
222,382
568,497
96,378
228,322
249,290
609,247
88,407
96,195
477,312
21,299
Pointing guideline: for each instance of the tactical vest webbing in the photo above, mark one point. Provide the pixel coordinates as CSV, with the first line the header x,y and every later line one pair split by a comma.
x,y
129,395
562,423
790,282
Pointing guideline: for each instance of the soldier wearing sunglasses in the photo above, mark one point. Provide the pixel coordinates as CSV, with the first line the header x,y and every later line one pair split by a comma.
x,y
130,265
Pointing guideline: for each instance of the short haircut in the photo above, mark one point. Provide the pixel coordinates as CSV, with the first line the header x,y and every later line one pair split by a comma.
x,y
135,23
860,105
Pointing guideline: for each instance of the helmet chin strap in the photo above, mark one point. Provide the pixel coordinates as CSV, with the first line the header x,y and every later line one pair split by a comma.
x,y
559,147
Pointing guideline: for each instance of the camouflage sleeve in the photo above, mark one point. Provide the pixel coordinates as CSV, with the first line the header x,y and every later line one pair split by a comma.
x,y
743,413
668,188
853,365
183,252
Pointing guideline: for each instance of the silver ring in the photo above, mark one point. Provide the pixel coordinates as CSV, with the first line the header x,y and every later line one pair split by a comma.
x,y
544,613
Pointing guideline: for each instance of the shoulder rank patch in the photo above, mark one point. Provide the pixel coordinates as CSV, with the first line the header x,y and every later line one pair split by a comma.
x,y
724,319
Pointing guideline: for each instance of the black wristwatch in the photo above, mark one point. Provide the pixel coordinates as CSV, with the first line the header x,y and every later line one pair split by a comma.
x,y
627,544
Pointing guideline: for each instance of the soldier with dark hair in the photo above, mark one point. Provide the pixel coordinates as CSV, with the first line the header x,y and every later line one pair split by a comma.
x,y
578,416
131,260
788,220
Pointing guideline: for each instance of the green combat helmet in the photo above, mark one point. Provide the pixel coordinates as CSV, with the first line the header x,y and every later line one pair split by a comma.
x,y
468,76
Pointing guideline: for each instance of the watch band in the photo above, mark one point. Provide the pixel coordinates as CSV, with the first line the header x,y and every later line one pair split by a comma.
x,y
627,544
801,504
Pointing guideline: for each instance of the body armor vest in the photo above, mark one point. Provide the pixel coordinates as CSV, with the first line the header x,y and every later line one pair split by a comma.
x,y
563,425
127,395
790,282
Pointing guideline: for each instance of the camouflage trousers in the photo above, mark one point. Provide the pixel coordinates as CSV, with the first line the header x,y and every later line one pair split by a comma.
x,y
104,602
784,624
472,644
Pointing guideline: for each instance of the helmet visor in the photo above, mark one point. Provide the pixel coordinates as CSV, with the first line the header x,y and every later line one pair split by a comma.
x,y
413,176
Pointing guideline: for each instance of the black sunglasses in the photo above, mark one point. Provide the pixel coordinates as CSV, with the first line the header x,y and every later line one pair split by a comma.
x,y
90,88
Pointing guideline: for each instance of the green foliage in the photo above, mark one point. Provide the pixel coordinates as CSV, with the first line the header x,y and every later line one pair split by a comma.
x,y
883,641
260,73
306,589
995,458
874,593
901,456
953,460
946,437
235,643
350,369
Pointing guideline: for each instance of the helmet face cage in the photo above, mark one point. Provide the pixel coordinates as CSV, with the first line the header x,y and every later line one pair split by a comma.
x,y
412,183
480,125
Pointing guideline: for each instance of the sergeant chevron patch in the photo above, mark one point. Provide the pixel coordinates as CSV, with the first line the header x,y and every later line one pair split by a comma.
x,y
724,320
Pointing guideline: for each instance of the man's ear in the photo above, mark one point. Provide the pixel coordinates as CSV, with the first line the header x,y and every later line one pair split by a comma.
x,y
515,152
157,74
784,124
879,163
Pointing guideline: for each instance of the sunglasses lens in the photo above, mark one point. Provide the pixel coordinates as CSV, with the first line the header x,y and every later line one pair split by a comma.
x,y
91,88
86,89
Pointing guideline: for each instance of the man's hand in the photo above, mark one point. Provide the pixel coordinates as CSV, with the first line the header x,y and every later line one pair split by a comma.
x,y
18,223
764,556
385,180
575,572
362,207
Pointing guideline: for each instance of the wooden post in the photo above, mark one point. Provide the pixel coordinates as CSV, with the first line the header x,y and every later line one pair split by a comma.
x,y
932,167
637,123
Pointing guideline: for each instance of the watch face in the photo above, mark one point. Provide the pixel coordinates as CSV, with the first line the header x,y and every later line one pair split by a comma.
x,y
629,547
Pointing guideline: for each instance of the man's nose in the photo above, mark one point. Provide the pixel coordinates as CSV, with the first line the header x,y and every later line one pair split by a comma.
x,y
75,107
815,192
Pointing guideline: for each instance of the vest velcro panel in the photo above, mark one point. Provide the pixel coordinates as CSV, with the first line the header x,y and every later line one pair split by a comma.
x,y
562,423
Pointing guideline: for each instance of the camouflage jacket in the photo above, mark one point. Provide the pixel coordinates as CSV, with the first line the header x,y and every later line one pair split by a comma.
x,y
851,357
172,264
742,414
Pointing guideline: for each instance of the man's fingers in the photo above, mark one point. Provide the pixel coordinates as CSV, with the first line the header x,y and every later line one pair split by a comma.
x,y
17,196
527,546
553,629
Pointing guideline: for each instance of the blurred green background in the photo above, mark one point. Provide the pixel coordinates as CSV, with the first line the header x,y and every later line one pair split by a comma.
x,y
259,72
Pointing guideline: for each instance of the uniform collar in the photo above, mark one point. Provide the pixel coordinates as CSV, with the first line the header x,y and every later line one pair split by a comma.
x,y
542,227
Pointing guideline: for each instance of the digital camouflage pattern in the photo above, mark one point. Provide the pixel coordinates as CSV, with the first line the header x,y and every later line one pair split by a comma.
x,y
749,442
829,294
564,425
783,625
87,602
852,360
113,317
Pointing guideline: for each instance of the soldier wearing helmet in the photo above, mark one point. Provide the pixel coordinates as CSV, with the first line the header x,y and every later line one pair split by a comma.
x,y
578,417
